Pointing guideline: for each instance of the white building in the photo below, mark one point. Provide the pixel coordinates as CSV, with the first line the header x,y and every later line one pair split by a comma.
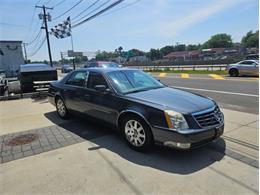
x,y
11,57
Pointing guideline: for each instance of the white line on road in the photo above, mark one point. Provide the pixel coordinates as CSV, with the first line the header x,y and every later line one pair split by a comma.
x,y
214,91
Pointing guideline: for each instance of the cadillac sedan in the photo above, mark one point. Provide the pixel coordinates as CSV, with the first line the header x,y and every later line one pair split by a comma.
x,y
144,110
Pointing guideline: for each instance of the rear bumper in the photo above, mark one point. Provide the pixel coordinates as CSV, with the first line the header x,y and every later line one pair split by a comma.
x,y
186,140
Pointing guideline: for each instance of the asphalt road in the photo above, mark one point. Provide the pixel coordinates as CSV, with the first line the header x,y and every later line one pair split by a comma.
x,y
240,94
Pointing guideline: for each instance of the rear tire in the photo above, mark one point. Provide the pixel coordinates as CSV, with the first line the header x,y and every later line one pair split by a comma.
x,y
233,73
62,111
137,133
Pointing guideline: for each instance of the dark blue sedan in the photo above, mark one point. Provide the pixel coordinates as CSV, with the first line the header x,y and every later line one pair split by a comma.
x,y
143,109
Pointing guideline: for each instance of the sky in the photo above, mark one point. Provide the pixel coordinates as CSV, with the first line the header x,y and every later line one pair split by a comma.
x,y
144,24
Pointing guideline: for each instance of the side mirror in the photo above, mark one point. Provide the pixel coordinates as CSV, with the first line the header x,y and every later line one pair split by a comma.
x,y
100,88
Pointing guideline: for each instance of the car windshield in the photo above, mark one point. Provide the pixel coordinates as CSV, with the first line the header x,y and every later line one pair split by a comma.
x,y
66,65
109,65
131,81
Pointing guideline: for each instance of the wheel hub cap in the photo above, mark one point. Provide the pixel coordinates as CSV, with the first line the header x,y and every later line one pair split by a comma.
x,y
135,133
61,107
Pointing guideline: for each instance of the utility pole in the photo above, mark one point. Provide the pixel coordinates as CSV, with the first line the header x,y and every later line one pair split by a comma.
x,y
25,53
46,17
61,56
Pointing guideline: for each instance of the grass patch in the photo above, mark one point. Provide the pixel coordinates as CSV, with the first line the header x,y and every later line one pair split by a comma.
x,y
220,72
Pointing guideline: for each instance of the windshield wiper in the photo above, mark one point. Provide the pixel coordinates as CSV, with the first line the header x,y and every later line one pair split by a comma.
x,y
144,89
137,90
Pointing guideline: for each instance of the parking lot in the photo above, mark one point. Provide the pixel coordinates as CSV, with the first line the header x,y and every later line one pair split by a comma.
x,y
81,156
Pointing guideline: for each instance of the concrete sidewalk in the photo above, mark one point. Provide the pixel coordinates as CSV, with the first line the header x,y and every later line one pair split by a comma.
x,y
105,165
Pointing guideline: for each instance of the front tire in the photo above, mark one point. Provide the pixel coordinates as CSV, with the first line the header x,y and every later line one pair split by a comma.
x,y
233,73
137,133
61,109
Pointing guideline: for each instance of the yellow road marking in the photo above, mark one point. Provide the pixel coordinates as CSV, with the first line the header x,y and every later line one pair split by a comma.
x,y
163,74
218,77
226,79
184,75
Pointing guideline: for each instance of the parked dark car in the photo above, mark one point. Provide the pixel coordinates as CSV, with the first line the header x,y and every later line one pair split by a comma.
x,y
101,64
143,109
29,73
252,57
66,68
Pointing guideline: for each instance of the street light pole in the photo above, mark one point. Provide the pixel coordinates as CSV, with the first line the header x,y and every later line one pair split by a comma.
x,y
46,29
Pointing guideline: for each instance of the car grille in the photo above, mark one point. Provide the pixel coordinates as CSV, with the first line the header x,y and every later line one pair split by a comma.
x,y
209,118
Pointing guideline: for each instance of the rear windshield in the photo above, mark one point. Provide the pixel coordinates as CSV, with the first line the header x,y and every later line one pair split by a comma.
x,y
109,65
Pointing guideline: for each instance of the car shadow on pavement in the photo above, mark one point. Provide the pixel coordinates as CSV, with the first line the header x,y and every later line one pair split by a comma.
x,y
161,158
39,99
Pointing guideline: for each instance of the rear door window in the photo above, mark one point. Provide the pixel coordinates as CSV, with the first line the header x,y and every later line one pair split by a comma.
x,y
78,79
94,79
247,62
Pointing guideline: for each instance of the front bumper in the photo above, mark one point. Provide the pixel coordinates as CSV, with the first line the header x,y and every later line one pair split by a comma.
x,y
51,99
186,140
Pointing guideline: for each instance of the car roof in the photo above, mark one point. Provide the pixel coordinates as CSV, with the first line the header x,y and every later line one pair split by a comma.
x,y
105,62
105,70
253,55
250,60
35,67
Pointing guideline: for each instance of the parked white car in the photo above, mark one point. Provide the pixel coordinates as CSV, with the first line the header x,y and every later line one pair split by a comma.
x,y
245,67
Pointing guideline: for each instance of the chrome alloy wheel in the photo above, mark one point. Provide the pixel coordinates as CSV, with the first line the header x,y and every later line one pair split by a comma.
x,y
61,108
135,133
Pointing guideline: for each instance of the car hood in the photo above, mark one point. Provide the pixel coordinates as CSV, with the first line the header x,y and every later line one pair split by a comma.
x,y
174,99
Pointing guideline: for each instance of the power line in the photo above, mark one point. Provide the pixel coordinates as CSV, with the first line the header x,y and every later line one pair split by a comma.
x,y
40,46
38,2
59,3
31,21
98,13
47,2
93,11
36,37
68,10
86,9
123,7
36,44
30,24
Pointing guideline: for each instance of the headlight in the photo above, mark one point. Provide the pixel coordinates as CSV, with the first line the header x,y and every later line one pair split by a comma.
x,y
175,120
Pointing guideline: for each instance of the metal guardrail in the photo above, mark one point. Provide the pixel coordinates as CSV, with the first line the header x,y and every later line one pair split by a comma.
x,y
182,67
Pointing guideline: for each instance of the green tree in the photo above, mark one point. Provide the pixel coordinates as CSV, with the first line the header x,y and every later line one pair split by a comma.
x,y
154,54
218,41
180,47
135,52
120,49
192,47
166,50
105,55
251,39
